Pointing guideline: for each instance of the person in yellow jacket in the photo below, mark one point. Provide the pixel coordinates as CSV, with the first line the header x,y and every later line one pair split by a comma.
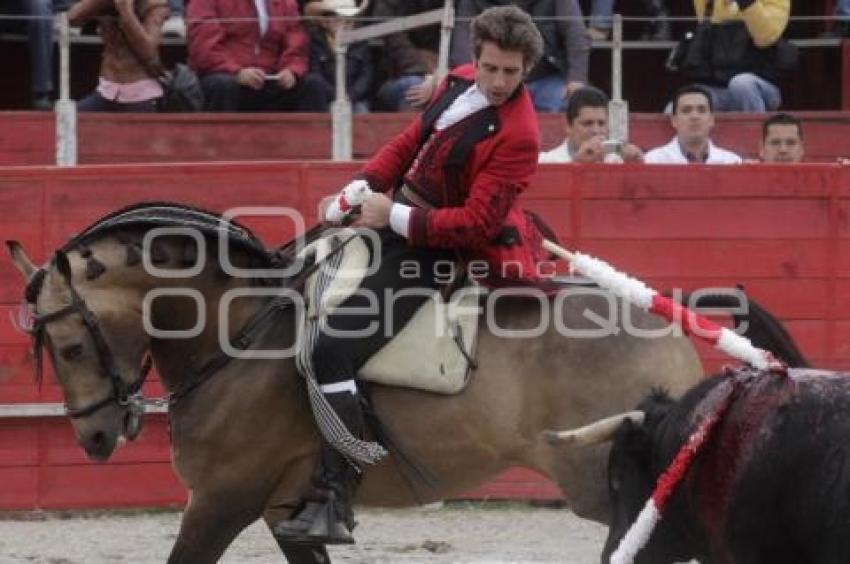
x,y
746,67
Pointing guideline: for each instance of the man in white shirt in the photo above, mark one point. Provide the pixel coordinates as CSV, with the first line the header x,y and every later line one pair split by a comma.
x,y
586,132
693,121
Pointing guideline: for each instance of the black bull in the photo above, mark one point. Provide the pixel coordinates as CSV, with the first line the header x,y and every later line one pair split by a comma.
x,y
771,485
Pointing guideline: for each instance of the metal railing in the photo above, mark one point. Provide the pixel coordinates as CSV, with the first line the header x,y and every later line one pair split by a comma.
x,y
37,410
341,110
341,130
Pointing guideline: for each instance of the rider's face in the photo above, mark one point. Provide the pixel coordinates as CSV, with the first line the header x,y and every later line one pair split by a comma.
x,y
498,73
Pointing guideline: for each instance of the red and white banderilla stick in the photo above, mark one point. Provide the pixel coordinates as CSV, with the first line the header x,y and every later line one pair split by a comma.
x,y
644,297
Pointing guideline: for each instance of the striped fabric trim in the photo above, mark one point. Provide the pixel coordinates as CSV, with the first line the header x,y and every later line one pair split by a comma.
x,y
330,425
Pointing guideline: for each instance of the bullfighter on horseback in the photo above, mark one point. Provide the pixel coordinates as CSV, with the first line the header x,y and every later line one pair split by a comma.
x,y
444,189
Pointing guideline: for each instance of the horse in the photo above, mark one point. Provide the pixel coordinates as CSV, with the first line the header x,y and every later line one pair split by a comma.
x,y
243,438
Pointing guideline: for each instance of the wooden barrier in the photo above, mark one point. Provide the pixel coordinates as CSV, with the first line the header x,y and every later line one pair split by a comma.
x,y
129,138
783,232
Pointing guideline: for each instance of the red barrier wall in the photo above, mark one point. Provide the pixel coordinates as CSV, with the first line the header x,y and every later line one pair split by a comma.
x,y
781,231
127,138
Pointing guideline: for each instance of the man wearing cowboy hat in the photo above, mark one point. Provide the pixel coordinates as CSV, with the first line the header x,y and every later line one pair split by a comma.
x,y
326,18
445,189
251,55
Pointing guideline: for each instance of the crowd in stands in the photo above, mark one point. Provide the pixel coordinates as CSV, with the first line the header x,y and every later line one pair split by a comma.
x,y
280,55
586,135
260,55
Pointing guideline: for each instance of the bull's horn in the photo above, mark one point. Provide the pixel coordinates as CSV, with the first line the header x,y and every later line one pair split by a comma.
x,y
595,433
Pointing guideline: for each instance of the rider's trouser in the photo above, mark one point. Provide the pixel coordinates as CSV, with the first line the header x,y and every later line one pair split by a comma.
x,y
384,303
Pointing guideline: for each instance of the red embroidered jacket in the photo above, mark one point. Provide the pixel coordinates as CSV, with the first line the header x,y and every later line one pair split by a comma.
x,y
472,173
228,46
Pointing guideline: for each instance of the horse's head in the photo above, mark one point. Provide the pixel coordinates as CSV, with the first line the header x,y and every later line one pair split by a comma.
x,y
84,320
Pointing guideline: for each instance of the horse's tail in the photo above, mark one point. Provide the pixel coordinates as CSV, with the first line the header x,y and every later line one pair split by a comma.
x,y
761,327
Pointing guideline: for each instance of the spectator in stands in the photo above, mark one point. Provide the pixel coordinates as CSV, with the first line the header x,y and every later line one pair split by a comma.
x,y
175,26
586,132
657,29
40,34
409,58
782,139
740,61
693,121
252,55
131,32
562,69
841,28
328,16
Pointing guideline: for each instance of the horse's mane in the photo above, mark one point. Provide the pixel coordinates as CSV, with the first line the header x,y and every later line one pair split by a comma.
x,y
149,215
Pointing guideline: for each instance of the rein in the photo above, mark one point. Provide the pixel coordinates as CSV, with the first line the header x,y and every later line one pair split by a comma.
x,y
252,330
246,337
125,395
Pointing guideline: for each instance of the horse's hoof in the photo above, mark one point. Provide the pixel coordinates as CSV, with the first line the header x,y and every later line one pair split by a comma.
x,y
315,524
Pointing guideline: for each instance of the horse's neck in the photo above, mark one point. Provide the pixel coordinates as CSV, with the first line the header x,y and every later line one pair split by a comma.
x,y
179,359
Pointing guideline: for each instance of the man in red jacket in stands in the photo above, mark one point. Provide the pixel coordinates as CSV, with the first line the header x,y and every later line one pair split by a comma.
x,y
251,55
445,188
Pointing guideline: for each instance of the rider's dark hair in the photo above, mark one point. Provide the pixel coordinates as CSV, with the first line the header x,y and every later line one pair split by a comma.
x,y
511,29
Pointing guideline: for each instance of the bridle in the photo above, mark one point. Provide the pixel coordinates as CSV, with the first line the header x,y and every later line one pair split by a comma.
x,y
122,394
129,396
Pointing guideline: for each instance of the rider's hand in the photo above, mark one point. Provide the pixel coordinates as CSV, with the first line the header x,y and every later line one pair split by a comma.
x,y
375,211
324,204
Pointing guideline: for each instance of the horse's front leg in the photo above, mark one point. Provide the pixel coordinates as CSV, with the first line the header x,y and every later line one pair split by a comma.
x,y
209,525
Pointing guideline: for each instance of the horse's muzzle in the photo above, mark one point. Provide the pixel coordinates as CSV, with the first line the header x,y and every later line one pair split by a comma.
x,y
99,446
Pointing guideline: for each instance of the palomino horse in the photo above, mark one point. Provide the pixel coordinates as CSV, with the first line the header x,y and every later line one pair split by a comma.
x,y
244,440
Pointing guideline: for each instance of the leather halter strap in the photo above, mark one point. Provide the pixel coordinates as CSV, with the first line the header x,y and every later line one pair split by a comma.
x,y
121,392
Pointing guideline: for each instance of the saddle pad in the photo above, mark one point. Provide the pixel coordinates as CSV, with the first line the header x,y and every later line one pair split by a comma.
x,y
424,354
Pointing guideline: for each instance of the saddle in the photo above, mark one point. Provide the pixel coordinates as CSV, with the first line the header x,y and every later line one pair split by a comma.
x,y
436,348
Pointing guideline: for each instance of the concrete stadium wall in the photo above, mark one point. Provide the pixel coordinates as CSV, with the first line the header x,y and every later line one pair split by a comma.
x,y
783,232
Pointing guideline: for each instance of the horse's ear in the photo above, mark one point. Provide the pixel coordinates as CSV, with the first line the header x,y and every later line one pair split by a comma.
x,y
20,259
63,265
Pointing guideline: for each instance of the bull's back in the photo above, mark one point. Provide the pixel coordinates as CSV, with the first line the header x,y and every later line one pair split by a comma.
x,y
792,498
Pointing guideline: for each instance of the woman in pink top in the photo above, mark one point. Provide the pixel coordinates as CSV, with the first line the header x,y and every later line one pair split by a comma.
x,y
131,32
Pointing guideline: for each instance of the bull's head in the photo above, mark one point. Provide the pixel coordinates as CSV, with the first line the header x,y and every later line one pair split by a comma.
x,y
632,468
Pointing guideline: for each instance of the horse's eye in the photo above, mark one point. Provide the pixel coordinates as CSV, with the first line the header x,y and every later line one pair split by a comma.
x,y
71,351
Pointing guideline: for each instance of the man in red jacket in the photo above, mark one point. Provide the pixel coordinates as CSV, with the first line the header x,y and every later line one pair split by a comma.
x,y
445,188
251,55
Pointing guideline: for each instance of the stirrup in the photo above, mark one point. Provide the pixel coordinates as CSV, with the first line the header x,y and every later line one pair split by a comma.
x,y
316,523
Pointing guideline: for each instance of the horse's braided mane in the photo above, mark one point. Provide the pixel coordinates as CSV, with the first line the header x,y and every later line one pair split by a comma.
x,y
170,214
